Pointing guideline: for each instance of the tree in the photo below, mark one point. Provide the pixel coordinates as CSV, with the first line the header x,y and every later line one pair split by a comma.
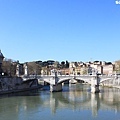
x,y
9,67
84,71
44,64
67,64
117,67
76,64
56,64
63,64
34,68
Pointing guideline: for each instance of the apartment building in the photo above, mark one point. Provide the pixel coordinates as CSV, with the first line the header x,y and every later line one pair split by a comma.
x,y
65,71
108,69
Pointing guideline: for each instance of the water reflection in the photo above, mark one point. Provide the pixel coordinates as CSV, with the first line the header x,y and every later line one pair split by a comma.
x,y
80,99
25,105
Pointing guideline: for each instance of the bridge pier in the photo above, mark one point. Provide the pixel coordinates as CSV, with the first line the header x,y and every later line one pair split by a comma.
x,y
56,88
95,84
54,85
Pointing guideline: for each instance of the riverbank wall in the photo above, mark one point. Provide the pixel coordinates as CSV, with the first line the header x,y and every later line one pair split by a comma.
x,y
16,84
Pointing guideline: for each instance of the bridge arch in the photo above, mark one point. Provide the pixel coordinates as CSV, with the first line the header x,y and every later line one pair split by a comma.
x,y
83,79
47,80
106,79
63,80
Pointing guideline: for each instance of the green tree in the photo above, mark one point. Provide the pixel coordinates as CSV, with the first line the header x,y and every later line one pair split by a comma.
x,y
67,64
56,64
63,64
84,71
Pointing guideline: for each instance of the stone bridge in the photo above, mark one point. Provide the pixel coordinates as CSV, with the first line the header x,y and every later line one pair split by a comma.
x,y
95,80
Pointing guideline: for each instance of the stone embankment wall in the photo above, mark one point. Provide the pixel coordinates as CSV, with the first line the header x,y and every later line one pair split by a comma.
x,y
14,84
9,83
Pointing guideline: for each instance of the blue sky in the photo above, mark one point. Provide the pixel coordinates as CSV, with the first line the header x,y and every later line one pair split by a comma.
x,y
73,30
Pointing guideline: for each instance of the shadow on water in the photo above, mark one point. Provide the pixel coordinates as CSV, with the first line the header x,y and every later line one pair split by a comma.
x,y
46,88
23,93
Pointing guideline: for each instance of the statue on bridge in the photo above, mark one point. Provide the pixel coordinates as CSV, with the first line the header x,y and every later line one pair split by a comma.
x,y
25,69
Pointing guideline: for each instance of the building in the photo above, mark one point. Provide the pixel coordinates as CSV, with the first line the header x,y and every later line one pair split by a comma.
x,y
108,69
65,71
77,70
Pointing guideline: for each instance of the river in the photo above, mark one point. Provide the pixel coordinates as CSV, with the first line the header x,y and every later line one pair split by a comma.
x,y
75,102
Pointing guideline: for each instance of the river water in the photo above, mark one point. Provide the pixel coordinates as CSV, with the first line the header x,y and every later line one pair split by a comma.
x,y
75,102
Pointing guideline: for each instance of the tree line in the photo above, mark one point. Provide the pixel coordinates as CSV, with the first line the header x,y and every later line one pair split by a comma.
x,y
35,67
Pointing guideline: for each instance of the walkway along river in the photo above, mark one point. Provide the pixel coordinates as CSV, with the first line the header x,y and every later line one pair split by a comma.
x,y
74,102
